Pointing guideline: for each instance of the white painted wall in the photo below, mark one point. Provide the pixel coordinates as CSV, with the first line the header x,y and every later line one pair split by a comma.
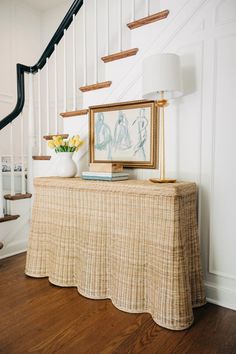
x,y
20,40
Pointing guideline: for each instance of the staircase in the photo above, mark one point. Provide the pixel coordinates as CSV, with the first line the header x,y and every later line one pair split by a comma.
x,y
69,104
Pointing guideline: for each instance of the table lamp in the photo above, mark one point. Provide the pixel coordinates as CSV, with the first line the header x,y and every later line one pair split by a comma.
x,y
162,81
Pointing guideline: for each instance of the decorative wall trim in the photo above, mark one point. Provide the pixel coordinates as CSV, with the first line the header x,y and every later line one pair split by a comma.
x,y
14,249
220,296
213,157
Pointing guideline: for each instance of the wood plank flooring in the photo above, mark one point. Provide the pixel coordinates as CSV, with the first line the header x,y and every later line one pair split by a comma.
x,y
37,317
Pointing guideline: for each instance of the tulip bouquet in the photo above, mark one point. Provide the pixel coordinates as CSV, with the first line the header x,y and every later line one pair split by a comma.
x,y
60,145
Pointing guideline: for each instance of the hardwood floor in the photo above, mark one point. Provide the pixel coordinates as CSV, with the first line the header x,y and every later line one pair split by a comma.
x,y
37,317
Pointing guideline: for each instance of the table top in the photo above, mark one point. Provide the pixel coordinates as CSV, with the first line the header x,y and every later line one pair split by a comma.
x,y
131,186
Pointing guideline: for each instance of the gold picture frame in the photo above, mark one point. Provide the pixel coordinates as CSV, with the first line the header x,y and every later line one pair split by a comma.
x,y
124,133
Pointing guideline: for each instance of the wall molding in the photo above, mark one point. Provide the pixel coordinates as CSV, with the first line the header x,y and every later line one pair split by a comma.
x,y
220,296
14,248
212,270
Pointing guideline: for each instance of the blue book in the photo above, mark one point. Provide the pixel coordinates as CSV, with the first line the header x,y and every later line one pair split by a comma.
x,y
100,178
105,174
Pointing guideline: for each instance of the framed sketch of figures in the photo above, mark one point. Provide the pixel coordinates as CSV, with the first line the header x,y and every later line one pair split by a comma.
x,y
124,133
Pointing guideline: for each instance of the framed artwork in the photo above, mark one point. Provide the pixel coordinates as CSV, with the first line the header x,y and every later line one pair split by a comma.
x,y
124,133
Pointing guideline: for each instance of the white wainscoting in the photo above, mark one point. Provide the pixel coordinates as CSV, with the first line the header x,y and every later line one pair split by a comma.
x,y
200,126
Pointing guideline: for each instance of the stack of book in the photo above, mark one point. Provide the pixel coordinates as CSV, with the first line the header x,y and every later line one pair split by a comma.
x,y
105,172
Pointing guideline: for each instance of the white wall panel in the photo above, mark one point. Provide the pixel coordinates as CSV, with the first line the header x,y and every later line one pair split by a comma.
x,y
223,227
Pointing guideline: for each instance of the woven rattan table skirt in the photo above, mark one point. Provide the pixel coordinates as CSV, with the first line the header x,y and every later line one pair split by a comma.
x,y
133,242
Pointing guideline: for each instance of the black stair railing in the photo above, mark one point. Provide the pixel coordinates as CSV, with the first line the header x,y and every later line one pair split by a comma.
x,y
22,69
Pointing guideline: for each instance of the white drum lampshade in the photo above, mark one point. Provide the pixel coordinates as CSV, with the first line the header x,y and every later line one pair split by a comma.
x,y
162,73
162,80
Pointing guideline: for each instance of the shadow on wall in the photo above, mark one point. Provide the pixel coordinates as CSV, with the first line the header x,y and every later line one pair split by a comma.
x,y
188,74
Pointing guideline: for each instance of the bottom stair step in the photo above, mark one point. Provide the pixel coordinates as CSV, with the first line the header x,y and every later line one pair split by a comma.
x,y
9,218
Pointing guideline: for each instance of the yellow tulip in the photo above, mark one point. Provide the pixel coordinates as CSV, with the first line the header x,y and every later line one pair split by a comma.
x,y
58,141
77,141
51,144
57,137
71,142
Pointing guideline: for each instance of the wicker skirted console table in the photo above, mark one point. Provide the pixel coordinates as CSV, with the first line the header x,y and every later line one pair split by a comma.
x,y
133,242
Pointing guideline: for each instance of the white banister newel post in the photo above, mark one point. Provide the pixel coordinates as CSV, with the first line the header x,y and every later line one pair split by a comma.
x,y
1,189
23,191
30,136
12,159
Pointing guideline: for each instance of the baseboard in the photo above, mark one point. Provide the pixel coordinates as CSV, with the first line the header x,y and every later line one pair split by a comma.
x,y
13,248
220,296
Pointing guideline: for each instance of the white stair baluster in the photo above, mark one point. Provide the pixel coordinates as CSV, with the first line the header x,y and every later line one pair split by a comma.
x,y
147,7
120,26
95,43
1,189
74,62
12,159
30,136
23,191
108,27
55,89
65,74
85,45
39,115
133,11
47,99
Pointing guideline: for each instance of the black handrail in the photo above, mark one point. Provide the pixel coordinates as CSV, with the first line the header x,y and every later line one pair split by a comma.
x,y
21,69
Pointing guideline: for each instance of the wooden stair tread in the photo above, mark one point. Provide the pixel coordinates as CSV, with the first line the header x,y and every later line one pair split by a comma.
x,y
17,196
80,112
9,218
40,157
120,55
49,137
149,19
97,86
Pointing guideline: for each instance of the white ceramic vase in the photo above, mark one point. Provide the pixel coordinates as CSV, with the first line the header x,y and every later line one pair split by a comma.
x,y
66,167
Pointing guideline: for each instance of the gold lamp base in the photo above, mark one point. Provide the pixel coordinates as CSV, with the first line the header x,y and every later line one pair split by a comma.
x,y
157,180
